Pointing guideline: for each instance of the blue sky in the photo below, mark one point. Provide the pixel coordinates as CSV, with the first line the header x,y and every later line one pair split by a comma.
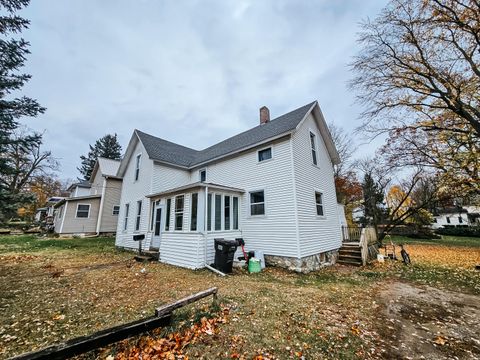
x,y
192,72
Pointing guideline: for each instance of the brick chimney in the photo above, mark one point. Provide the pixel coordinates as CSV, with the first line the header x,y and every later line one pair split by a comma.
x,y
264,115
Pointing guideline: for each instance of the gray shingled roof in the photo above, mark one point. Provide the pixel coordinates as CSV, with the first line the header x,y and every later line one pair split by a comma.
x,y
166,151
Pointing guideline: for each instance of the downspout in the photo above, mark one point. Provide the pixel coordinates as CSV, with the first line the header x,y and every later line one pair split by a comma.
x,y
100,210
206,235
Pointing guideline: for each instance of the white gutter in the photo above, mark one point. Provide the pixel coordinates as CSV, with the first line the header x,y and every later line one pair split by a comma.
x,y
100,210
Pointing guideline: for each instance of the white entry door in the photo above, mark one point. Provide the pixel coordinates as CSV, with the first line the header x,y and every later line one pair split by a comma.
x,y
157,227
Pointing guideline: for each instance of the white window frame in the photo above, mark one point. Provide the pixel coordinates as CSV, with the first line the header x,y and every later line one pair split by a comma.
x,y
322,204
125,216
263,149
138,216
179,212
264,203
88,213
313,147
200,175
138,160
113,210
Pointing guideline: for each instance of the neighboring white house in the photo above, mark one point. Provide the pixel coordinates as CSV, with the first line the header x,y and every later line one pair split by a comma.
x,y
457,216
271,185
93,206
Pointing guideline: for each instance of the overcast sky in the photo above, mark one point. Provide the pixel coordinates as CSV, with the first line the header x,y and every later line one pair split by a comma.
x,y
192,72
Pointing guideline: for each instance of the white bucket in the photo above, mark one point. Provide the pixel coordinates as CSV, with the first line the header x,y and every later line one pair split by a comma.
x,y
259,256
380,258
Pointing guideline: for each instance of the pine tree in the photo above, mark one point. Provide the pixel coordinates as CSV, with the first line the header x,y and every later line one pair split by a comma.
x,y
372,202
13,52
106,147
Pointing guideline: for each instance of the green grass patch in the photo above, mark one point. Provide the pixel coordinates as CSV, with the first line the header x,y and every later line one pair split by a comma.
x,y
446,240
32,243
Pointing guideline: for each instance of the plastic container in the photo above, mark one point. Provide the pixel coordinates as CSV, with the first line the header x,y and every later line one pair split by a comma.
x,y
254,266
259,255
224,253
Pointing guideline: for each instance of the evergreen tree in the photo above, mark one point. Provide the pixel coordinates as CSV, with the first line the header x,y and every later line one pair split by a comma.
x,y
13,52
106,147
372,202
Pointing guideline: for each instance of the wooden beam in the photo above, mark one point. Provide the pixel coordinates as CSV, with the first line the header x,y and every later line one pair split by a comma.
x,y
167,309
105,337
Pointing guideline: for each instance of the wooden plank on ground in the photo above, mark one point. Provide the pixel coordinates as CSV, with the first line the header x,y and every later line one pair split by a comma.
x,y
105,337
167,309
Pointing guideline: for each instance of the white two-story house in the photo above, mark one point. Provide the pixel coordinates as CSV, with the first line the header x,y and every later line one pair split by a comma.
x,y
271,185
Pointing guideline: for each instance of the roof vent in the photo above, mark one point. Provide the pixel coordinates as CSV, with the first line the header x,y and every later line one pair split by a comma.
x,y
264,115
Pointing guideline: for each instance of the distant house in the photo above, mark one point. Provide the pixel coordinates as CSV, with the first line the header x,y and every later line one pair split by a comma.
x,y
46,214
93,206
456,216
271,185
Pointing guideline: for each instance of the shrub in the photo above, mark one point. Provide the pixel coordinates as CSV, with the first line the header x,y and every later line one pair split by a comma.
x,y
459,231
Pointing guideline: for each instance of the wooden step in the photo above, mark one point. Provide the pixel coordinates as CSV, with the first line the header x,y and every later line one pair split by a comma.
x,y
350,262
148,256
351,257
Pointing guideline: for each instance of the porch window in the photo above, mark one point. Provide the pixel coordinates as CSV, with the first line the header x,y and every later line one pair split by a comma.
x,y
152,216
319,203
460,220
226,212
209,212
167,215
193,218
179,202
139,215
257,203
83,211
218,212
314,147
116,209
137,166
125,220
235,213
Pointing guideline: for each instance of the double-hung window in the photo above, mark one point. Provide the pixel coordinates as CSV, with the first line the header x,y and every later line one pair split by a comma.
x,y
167,215
257,203
319,203
179,203
83,211
226,212
265,154
203,175
194,209
313,144
218,212
137,166
116,209
139,215
125,220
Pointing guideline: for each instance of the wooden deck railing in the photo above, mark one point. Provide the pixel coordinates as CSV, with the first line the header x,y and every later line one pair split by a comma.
x,y
351,234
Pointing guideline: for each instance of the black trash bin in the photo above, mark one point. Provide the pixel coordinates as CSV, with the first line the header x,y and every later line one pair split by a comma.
x,y
224,253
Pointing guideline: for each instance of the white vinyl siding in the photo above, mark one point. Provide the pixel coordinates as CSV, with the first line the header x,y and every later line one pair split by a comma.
x,y
314,236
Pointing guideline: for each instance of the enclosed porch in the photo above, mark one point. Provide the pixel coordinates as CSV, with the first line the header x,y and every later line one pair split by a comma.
x,y
184,222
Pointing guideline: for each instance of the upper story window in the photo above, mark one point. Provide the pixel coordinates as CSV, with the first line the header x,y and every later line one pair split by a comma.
x,y
139,215
179,203
264,154
257,202
83,211
319,203
116,209
137,166
203,175
125,220
313,144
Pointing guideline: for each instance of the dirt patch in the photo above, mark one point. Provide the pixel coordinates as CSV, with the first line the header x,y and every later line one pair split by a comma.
x,y
429,323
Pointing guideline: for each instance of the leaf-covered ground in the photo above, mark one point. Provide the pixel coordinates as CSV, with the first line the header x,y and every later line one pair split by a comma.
x,y
51,290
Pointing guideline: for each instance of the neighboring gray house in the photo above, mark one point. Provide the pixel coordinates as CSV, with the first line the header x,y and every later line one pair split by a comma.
x,y
272,185
95,211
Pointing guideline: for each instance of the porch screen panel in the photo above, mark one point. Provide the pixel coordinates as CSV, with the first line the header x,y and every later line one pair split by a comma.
x,y
235,213
209,212
226,212
218,212
167,215
179,202
193,218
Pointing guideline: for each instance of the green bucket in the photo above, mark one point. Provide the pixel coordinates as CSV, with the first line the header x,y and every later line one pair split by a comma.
x,y
254,266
